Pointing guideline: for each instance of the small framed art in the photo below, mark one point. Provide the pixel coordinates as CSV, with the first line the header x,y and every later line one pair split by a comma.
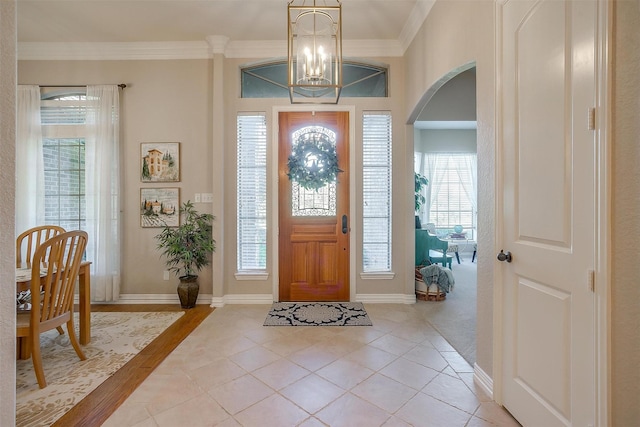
x,y
160,162
159,207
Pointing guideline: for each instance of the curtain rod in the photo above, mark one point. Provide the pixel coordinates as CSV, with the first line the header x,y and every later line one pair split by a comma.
x,y
121,85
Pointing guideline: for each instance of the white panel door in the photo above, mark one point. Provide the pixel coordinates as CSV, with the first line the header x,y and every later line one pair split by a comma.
x,y
549,211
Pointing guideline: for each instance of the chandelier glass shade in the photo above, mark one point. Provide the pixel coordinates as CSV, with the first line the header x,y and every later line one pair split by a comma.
x,y
314,52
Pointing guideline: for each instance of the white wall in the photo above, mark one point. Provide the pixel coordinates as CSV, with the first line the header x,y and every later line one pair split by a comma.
x,y
455,101
402,283
164,101
7,223
456,33
446,141
455,36
173,101
625,285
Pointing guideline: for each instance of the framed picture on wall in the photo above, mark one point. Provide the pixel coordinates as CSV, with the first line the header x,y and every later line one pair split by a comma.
x,y
160,162
159,207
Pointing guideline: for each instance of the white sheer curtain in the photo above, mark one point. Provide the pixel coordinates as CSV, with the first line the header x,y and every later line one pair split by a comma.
x,y
435,176
471,163
434,167
102,160
29,160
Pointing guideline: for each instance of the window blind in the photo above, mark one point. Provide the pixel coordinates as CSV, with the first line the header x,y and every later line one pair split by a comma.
x,y
64,116
452,200
64,111
252,191
376,191
63,119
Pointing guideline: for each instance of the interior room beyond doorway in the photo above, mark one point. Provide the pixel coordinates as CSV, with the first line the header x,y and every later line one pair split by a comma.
x,y
445,153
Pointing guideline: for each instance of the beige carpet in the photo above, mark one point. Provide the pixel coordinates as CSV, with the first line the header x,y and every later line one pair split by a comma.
x,y
115,339
455,317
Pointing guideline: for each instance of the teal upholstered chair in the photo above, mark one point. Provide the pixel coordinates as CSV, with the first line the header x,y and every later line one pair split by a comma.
x,y
429,247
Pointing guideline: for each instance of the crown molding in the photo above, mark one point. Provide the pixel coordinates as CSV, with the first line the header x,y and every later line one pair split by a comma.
x,y
113,51
260,49
417,17
217,44
256,49
371,48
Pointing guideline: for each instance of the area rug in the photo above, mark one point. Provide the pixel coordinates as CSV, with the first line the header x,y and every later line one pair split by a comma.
x,y
317,314
115,339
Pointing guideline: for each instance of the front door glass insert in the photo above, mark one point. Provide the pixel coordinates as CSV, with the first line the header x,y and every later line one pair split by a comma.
x,y
313,202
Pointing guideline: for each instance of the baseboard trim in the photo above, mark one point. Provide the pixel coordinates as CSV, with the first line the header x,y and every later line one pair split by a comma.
x,y
243,299
386,298
202,299
246,299
153,299
484,381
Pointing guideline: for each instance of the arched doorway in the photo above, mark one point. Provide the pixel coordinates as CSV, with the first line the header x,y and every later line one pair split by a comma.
x,y
445,152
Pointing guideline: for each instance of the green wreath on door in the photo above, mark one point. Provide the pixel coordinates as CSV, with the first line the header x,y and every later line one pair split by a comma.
x,y
313,162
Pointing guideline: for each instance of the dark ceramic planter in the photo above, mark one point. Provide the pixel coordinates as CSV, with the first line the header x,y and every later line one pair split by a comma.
x,y
188,290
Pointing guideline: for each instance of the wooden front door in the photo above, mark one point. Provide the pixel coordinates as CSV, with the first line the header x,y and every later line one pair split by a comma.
x,y
313,224
548,171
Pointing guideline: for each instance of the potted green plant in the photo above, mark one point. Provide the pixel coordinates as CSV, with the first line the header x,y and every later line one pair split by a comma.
x,y
421,181
187,249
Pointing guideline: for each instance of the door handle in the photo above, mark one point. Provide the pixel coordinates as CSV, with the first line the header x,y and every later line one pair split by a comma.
x,y
345,228
504,256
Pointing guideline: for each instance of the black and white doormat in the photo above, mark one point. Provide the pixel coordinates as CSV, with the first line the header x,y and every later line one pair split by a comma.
x,y
317,314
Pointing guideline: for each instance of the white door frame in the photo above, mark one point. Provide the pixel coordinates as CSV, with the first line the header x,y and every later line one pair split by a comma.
x,y
602,226
353,223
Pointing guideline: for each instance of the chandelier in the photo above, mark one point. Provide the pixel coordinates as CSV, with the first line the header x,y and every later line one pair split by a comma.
x,y
315,52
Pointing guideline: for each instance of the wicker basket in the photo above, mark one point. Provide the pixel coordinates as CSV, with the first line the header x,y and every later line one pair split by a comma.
x,y
426,292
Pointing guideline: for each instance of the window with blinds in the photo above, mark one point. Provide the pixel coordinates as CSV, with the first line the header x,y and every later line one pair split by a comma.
x,y
252,192
376,191
63,117
452,204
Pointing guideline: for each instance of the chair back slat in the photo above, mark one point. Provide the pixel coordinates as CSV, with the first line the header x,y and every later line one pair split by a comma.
x,y
30,240
54,292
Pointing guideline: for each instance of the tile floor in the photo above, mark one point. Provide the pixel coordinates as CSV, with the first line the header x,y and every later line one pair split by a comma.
x,y
232,371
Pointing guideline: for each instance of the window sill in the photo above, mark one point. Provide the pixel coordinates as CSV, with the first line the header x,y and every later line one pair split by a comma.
x,y
379,275
251,276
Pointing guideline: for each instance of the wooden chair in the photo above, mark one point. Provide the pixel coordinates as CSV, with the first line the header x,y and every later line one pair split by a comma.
x,y
52,295
33,238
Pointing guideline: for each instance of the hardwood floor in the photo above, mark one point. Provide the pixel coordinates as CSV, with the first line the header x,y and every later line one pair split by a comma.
x,y
97,406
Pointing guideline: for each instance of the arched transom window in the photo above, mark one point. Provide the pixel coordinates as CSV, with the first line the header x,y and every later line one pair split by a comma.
x,y
269,80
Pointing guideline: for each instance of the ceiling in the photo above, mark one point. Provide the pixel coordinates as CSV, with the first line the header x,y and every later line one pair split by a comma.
x,y
116,21
80,29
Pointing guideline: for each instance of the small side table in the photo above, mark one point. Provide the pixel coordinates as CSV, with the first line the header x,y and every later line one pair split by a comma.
x,y
453,248
456,245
